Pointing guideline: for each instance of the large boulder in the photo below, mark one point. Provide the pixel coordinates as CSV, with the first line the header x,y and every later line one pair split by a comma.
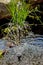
x,y
3,11
4,1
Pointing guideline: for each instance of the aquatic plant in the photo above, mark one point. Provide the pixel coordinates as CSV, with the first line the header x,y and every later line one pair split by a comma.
x,y
18,11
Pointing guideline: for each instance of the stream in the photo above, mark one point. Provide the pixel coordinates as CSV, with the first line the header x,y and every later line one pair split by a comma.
x,y
29,52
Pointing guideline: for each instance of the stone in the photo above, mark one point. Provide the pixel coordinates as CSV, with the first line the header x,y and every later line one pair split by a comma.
x,y
9,44
3,11
4,1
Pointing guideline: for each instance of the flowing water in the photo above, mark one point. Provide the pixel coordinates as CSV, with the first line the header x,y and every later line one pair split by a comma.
x,y
29,52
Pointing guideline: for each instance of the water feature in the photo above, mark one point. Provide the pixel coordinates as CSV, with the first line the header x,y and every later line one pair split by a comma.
x,y
2,44
29,52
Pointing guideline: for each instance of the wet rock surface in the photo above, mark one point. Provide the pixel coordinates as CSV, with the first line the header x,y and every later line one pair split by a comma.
x,y
29,52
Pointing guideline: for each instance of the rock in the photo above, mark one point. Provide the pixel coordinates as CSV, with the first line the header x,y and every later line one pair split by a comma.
x,y
5,1
19,57
9,44
3,11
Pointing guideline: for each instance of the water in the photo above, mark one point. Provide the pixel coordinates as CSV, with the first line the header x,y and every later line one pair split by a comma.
x,y
30,50
2,44
36,41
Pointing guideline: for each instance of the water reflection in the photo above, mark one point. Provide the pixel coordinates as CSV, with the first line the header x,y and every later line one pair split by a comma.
x,y
37,40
